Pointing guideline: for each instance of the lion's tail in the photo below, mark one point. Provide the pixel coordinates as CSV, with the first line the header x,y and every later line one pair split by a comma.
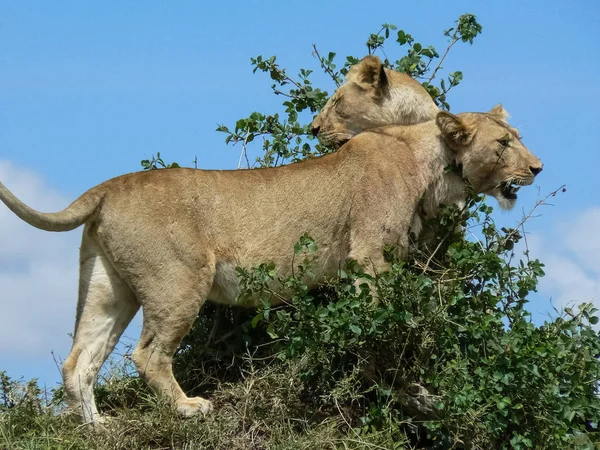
x,y
76,214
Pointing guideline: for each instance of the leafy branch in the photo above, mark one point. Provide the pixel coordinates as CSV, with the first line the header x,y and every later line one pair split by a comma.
x,y
286,136
157,163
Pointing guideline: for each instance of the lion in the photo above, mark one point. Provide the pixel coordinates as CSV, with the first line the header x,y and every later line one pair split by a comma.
x,y
372,96
168,240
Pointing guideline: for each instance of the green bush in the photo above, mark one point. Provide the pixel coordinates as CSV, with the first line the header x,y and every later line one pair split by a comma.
x,y
448,342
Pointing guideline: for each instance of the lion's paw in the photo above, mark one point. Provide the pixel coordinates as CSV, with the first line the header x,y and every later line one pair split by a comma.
x,y
192,406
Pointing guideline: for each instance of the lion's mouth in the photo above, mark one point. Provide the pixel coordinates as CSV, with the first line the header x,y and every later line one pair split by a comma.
x,y
333,140
333,144
509,190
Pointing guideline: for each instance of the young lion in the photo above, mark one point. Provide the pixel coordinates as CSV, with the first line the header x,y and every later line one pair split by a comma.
x,y
371,97
168,240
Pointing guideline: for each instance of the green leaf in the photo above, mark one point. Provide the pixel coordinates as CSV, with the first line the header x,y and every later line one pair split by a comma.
x,y
355,329
271,332
256,320
322,312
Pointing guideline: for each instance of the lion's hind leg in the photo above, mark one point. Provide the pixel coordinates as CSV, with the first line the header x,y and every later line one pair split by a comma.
x,y
106,306
170,304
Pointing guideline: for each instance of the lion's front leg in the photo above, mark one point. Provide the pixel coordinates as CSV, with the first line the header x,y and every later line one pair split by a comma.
x,y
368,247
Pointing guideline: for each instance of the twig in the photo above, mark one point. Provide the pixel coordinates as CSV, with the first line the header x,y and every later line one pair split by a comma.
x,y
327,69
227,335
526,243
337,405
243,152
278,92
476,238
285,77
528,216
56,362
426,266
454,41
216,324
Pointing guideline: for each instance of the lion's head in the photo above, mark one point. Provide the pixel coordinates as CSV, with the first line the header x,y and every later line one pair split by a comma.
x,y
372,96
490,152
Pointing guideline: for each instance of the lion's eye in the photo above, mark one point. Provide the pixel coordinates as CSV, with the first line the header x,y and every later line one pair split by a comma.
x,y
504,141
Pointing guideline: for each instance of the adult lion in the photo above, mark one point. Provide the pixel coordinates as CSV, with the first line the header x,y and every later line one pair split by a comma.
x,y
168,240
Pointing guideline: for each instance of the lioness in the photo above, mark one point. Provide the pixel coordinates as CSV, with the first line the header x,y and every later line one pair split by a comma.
x,y
168,240
372,96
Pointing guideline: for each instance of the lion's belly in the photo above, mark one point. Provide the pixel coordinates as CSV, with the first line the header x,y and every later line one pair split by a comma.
x,y
324,265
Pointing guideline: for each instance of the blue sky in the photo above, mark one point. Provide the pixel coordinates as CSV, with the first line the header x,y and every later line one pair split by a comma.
x,y
88,90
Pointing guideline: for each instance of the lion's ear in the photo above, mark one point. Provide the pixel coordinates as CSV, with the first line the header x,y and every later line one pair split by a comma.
x,y
456,132
370,72
499,112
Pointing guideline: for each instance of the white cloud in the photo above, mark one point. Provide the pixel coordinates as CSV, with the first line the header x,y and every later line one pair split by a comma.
x,y
38,273
38,280
571,254
583,238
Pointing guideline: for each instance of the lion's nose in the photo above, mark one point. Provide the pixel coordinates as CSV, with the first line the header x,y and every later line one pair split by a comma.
x,y
536,170
315,131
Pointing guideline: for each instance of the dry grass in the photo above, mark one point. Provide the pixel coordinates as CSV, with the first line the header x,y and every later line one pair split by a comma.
x,y
263,410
